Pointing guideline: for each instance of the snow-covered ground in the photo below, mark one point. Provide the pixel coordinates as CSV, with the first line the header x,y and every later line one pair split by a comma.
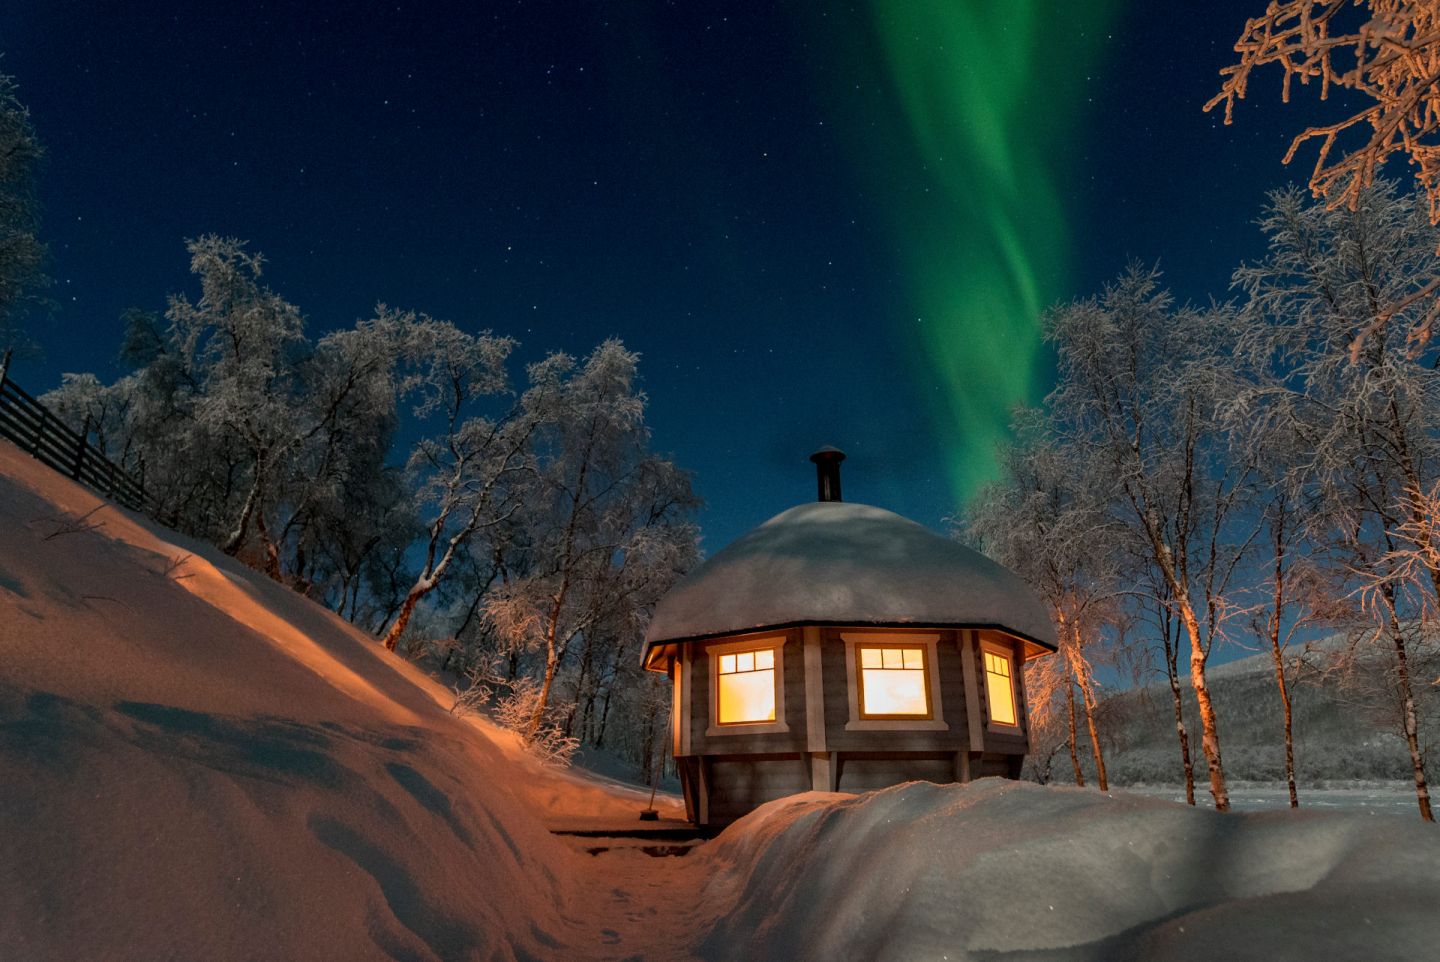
x,y
1013,870
1386,797
196,763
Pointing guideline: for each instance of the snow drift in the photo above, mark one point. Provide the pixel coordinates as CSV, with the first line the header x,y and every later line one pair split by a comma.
x,y
197,763
998,869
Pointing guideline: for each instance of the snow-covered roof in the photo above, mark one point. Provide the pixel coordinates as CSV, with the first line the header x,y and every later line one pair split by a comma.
x,y
844,563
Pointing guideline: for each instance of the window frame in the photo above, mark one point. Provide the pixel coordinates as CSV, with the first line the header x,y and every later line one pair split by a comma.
x,y
928,643
1007,652
860,669
713,653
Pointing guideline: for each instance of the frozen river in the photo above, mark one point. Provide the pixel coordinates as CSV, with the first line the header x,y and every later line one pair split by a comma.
x,y
1389,799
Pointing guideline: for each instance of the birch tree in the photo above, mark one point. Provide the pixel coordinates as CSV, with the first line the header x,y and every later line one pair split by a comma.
x,y
609,527
1045,522
1381,54
22,255
239,344
1289,590
1137,391
1369,422
466,471
345,416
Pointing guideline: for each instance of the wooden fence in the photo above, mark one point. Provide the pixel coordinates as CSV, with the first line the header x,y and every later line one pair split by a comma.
x,y
33,428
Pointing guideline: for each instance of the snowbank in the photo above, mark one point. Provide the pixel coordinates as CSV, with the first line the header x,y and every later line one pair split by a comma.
x,y
197,763
1000,869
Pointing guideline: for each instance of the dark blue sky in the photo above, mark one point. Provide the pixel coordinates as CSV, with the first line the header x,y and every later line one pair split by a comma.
x,y
684,176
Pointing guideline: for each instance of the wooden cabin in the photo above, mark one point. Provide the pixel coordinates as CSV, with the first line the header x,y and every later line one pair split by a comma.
x,y
842,647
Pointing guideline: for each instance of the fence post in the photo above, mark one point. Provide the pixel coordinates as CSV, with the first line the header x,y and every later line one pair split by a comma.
x,y
5,365
38,427
80,450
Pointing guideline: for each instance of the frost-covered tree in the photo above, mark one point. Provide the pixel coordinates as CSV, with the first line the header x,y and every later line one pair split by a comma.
x,y
539,524
1382,54
1290,592
100,411
607,522
1137,389
1368,422
274,426
1046,521
239,346
22,255
346,418
467,471
252,435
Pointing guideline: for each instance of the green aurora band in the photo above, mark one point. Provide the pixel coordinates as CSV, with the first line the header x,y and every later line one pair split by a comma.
x,y
985,97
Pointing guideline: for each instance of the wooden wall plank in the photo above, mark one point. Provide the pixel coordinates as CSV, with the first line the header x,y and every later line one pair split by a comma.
x,y
814,690
973,706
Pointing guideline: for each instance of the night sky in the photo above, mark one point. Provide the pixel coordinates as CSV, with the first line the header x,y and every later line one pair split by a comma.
x,y
818,224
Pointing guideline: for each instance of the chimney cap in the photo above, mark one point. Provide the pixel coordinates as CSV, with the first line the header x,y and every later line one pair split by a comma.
x,y
827,473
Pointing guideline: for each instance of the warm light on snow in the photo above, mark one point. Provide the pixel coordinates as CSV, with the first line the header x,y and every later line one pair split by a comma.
x,y
747,687
892,682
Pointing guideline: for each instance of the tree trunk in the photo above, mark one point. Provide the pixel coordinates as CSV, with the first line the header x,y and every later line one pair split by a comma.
x,y
407,608
580,709
271,549
1087,700
1279,657
1209,729
1407,716
1074,754
542,702
1178,698
604,717
427,581
236,541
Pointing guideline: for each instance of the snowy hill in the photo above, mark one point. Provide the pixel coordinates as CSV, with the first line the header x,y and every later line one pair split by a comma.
x,y
196,763
1338,737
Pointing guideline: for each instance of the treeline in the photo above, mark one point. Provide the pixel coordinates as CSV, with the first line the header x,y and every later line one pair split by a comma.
x,y
1259,472
509,524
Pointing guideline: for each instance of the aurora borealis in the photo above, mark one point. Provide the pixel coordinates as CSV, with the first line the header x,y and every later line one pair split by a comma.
x,y
989,108
818,223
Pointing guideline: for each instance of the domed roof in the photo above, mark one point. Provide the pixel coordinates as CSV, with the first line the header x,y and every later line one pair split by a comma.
x,y
836,562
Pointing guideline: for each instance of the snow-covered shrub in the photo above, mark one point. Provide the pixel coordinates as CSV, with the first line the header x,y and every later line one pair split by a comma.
x,y
472,690
515,710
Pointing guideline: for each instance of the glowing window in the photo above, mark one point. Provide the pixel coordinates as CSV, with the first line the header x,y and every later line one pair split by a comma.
x,y
746,689
893,682
999,688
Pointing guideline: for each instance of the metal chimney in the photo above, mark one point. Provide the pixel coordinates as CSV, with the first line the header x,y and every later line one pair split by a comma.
x,y
827,472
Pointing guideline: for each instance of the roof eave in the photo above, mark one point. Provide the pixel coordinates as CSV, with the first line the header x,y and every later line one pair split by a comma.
x,y
654,645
